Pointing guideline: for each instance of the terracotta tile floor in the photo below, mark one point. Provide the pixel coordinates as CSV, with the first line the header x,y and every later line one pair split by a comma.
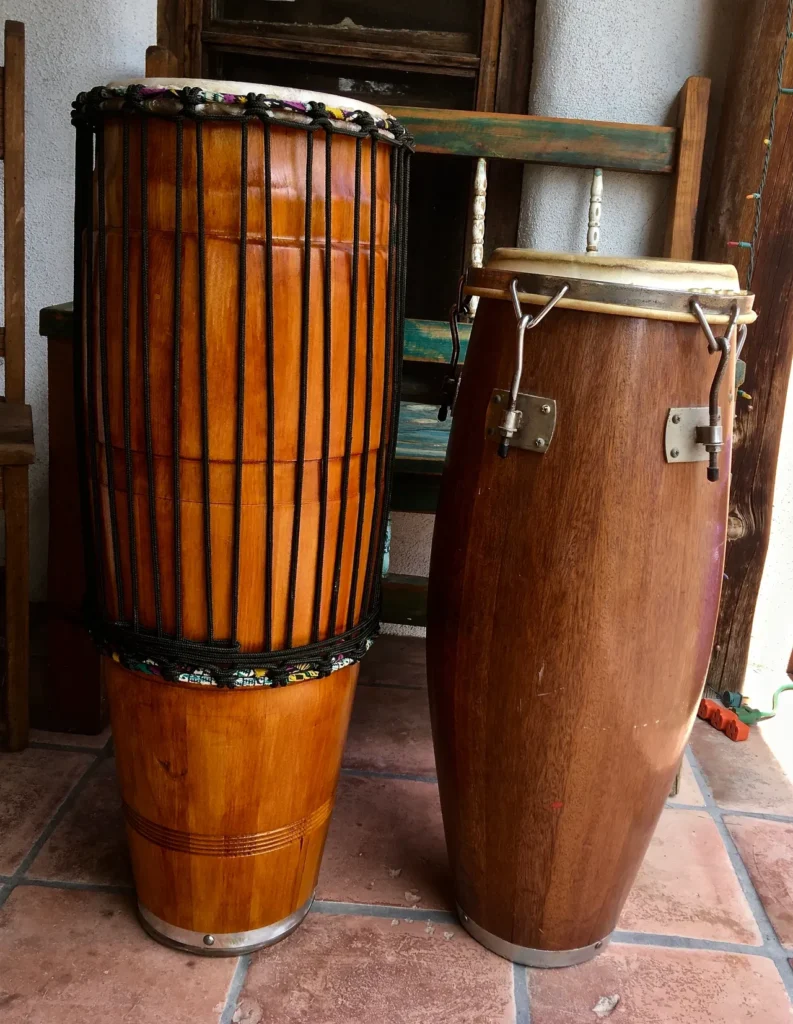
x,y
706,936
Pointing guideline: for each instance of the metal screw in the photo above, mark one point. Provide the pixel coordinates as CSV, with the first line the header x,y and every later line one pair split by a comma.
x,y
209,940
676,418
598,945
675,452
539,442
545,408
497,399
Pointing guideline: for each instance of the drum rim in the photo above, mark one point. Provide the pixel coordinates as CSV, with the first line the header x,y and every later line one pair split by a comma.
x,y
222,943
525,955
618,299
242,89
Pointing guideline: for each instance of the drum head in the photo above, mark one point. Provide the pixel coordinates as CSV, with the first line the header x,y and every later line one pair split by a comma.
x,y
656,289
300,97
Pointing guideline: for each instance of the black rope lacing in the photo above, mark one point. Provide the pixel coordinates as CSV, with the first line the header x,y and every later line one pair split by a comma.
x,y
113,628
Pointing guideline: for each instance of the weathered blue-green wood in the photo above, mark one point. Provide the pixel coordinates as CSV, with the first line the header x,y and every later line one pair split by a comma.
x,y
541,140
421,438
430,341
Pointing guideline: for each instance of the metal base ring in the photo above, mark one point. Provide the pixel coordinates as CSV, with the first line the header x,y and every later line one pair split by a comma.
x,y
221,943
531,957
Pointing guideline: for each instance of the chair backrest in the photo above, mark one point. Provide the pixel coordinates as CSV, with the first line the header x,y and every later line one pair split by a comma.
x,y
12,152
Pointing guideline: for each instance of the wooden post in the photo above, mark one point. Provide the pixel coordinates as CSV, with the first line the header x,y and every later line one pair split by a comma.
x,y
757,67
161,63
692,123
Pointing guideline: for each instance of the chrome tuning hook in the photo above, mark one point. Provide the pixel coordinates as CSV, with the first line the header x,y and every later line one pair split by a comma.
x,y
510,423
712,435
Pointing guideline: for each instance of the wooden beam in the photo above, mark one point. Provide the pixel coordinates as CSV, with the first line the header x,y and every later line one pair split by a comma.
x,y
14,210
541,140
15,714
692,123
729,216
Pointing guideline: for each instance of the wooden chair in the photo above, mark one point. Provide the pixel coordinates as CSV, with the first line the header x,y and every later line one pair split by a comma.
x,y
649,149
16,423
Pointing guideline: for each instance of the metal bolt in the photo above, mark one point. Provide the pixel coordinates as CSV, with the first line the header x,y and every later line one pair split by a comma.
x,y
209,940
539,442
675,452
598,945
545,408
497,399
676,418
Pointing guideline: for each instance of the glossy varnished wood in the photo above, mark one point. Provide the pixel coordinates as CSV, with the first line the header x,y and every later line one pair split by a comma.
x,y
221,143
228,794
572,602
215,774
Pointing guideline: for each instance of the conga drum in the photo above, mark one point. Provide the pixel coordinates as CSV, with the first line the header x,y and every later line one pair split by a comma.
x,y
239,281
574,584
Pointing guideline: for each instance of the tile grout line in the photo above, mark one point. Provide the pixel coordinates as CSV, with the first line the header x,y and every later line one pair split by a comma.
x,y
771,944
55,819
520,992
54,883
235,989
784,819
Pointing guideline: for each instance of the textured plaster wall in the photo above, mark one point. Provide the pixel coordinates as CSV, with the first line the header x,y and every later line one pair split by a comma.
x,y
72,45
609,60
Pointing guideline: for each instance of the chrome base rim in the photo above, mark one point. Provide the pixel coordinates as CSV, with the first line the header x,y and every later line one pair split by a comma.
x,y
524,954
221,943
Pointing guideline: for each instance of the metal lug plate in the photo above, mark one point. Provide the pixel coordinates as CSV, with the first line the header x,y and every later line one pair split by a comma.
x,y
680,439
537,421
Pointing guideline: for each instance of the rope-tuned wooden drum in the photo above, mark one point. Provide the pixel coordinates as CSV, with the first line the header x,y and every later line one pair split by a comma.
x,y
575,578
240,258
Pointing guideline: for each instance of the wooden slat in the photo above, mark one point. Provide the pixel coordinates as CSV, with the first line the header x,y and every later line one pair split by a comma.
x,y
405,600
2,341
17,596
692,122
541,140
14,210
488,55
2,110
752,90
440,62
430,340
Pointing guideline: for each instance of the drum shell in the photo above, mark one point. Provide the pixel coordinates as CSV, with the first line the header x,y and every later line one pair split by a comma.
x,y
227,794
572,604
222,224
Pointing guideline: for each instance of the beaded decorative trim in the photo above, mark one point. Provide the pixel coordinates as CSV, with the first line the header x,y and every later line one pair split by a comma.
x,y
169,101
242,678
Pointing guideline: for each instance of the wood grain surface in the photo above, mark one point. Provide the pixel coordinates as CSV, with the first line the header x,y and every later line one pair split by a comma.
x,y
572,602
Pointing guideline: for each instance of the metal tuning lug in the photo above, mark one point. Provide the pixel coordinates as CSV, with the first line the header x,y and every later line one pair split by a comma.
x,y
451,383
710,435
512,419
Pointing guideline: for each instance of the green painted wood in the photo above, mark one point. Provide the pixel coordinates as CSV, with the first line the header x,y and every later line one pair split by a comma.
x,y
430,341
421,437
404,600
541,140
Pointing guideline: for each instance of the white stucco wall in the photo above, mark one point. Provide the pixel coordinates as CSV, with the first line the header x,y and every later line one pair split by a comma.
x,y
606,60
71,46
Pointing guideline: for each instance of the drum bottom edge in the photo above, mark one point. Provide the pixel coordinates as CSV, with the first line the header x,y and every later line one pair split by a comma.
x,y
221,943
544,958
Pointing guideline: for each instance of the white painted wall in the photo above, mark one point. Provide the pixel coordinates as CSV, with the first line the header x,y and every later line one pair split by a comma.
x,y
71,46
604,60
